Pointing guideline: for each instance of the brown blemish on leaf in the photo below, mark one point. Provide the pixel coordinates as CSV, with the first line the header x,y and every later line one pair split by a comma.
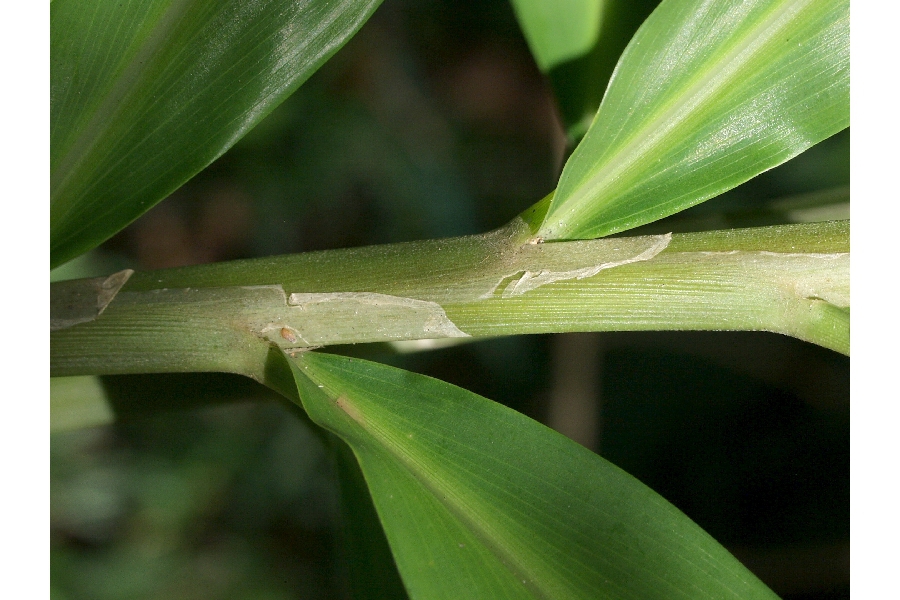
x,y
345,405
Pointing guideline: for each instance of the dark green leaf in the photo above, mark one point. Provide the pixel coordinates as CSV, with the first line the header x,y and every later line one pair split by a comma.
x,y
479,501
145,94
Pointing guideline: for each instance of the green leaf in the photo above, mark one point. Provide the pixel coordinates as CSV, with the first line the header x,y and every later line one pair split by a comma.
x,y
706,96
559,31
479,501
371,571
144,95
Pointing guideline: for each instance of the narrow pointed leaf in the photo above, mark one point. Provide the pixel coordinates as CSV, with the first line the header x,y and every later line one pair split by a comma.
x,y
706,96
145,94
479,501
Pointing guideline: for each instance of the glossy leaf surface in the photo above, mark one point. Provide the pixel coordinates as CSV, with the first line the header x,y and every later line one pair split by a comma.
x,y
706,96
479,501
559,31
144,94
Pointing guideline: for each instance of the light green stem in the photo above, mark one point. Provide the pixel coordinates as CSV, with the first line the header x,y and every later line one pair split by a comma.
x,y
228,316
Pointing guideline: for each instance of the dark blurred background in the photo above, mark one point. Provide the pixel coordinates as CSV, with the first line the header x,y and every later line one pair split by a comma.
x,y
434,121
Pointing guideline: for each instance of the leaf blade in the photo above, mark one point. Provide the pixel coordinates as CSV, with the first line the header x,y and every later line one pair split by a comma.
x,y
706,96
146,94
480,501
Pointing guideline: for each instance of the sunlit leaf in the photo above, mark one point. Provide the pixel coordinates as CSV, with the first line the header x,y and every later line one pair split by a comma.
x,y
479,501
145,94
706,96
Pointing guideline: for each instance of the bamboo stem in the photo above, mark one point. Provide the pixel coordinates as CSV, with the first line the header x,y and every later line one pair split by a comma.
x,y
226,317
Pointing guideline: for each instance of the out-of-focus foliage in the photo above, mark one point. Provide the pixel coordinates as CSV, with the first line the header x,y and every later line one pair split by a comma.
x,y
559,31
577,49
219,503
